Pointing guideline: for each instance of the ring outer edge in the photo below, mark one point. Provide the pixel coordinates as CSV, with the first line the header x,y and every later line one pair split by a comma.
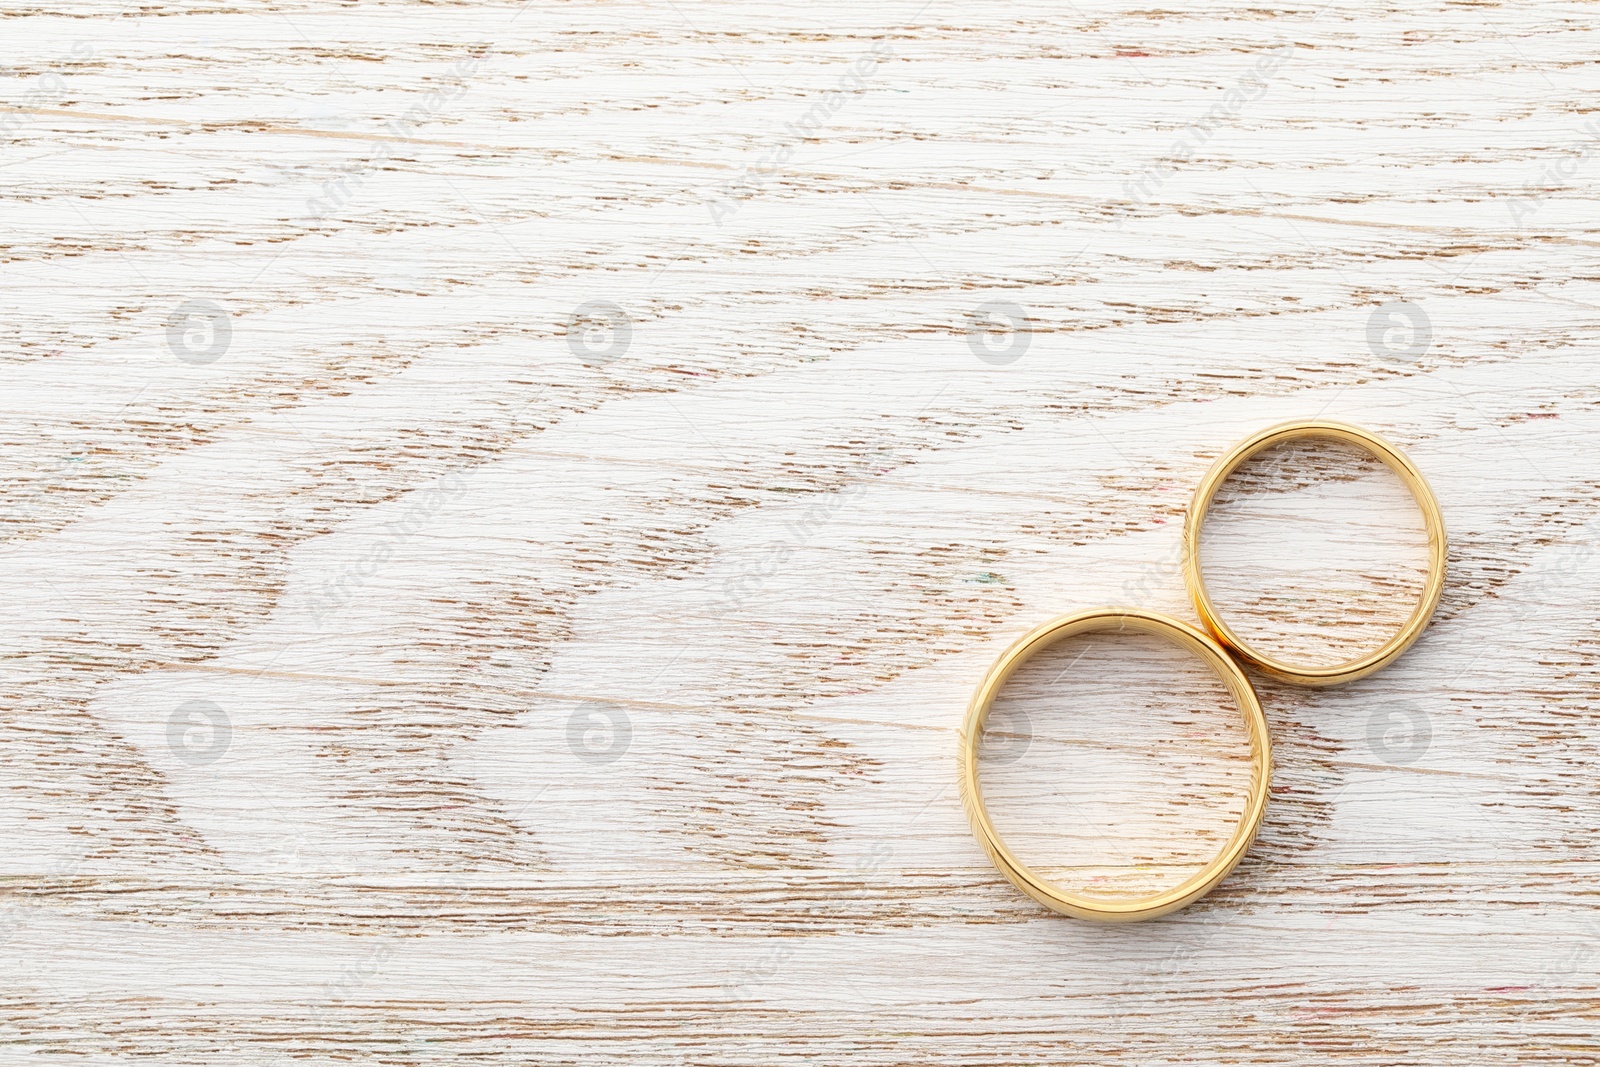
x,y
1421,492
1209,876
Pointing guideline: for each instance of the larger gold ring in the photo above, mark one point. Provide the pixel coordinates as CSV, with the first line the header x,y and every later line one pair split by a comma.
x,y
1182,635
1395,460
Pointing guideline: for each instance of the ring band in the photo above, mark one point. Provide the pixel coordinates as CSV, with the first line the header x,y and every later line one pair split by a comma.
x,y
1120,620
1395,460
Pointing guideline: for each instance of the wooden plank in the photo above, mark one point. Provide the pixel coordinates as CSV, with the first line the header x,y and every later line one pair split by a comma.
x,y
505,506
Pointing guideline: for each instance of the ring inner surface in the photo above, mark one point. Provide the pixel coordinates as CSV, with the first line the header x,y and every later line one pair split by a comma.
x,y
1314,553
1115,765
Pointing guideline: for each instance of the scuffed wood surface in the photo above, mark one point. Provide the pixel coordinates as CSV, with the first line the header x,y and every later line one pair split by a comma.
x,y
504,506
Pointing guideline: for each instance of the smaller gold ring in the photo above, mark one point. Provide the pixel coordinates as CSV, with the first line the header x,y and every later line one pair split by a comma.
x,y
1395,460
1182,635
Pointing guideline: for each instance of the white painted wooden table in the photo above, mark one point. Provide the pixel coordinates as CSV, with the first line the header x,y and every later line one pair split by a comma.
x,y
504,507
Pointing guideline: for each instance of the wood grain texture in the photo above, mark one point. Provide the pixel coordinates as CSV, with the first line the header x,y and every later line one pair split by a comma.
x,y
504,506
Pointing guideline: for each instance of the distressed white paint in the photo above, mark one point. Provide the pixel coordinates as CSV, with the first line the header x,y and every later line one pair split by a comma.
x,y
420,555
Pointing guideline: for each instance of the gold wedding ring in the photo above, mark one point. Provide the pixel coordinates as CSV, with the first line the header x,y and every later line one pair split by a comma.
x,y
1438,551
1119,620
1222,654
